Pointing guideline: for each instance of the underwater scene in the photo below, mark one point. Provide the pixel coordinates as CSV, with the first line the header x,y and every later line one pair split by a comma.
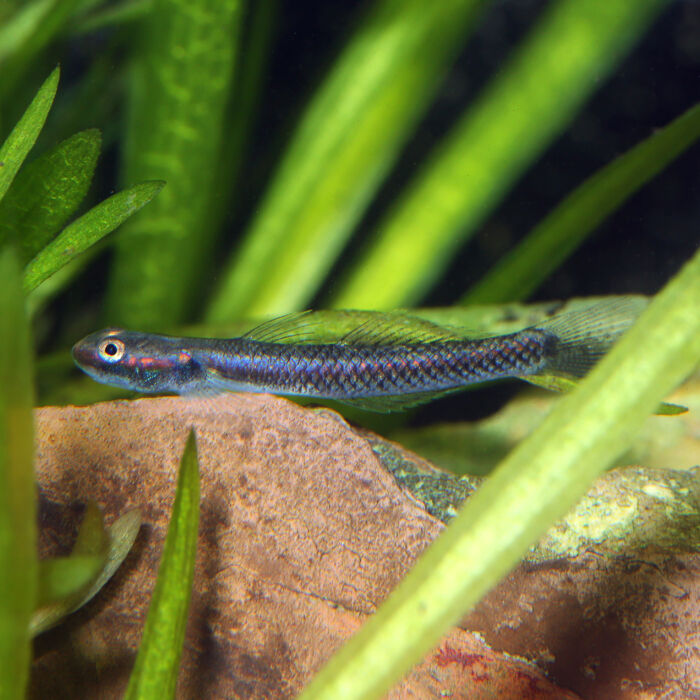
x,y
349,350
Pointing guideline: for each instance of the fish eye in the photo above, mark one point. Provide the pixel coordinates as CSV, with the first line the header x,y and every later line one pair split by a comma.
x,y
111,349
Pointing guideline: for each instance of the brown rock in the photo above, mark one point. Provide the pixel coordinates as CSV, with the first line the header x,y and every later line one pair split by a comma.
x,y
302,535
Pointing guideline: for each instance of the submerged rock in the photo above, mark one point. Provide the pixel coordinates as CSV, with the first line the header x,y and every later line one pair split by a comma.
x,y
303,532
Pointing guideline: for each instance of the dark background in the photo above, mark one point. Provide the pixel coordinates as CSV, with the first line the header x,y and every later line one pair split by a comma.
x,y
636,250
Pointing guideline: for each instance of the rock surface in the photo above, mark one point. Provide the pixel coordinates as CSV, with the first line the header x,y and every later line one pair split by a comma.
x,y
303,533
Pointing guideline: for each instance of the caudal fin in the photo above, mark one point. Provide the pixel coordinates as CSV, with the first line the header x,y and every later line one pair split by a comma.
x,y
585,334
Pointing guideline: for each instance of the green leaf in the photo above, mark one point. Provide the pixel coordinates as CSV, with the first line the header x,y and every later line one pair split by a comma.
x,y
68,583
555,238
47,192
16,31
180,84
61,579
157,664
113,15
536,484
43,30
84,232
18,560
23,136
346,142
571,50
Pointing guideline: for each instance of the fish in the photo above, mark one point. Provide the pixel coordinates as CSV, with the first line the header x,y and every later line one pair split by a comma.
x,y
378,361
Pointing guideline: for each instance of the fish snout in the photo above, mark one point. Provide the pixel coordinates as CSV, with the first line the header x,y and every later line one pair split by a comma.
x,y
83,354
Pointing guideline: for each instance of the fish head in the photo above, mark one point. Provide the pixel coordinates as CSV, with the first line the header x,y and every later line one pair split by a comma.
x,y
138,361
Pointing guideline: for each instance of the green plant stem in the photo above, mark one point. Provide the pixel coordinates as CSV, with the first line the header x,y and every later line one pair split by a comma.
x,y
536,484
18,537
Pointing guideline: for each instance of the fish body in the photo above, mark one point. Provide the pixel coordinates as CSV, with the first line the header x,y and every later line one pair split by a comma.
x,y
386,362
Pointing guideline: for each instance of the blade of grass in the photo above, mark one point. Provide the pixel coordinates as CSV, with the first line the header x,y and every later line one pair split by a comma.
x,y
85,231
536,484
572,48
257,30
157,664
555,238
18,559
112,15
16,31
46,192
52,22
344,145
23,136
179,88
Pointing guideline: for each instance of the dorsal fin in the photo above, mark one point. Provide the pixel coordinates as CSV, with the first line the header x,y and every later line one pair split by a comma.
x,y
293,328
396,328
349,328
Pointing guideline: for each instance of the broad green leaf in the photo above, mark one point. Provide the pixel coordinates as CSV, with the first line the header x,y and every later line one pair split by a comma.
x,y
46,192
346,142
553,240
157,664
18,560
68,583
534,485
180,84
571,50
23,136
87,230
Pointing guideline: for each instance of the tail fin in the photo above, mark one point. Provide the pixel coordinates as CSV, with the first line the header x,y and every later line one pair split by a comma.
x,y
585,334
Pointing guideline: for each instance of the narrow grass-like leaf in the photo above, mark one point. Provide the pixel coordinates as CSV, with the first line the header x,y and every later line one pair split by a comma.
x,y
553,240
536,484
257,30
46,192
18,559
16,31
573,46
157,664
179,88
113,15
68,583
42,33
24,135
87,230
345,144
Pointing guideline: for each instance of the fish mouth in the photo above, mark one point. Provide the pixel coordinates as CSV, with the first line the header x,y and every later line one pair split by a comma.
x,y
84,355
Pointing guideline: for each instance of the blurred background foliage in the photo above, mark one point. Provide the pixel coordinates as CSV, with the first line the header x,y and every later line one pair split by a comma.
x,y
358,155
